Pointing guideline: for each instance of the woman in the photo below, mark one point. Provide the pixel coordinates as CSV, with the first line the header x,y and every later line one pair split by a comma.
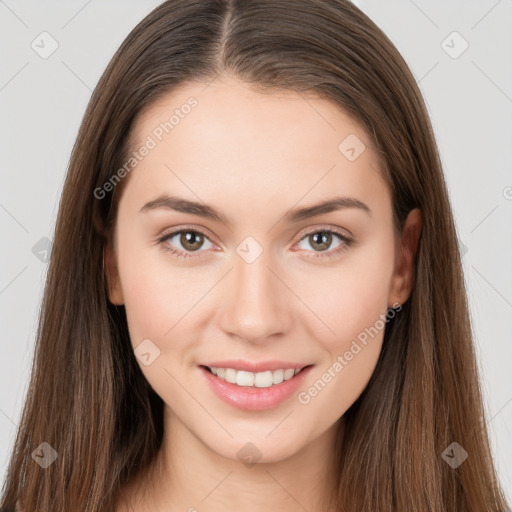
x,y
255,297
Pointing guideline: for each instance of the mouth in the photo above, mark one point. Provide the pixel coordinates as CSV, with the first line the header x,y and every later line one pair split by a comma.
x,y
263,379
254,391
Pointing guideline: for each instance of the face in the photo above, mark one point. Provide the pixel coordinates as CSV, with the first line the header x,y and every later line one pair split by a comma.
x,y
251,280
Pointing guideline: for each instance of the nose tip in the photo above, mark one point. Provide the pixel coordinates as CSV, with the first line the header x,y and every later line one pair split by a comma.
x,y
256,306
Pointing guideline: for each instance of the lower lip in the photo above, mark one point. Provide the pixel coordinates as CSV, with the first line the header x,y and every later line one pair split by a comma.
x,y
253,398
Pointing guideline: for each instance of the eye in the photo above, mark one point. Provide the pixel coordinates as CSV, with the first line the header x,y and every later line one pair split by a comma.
x,y
190,240
185,242
321,240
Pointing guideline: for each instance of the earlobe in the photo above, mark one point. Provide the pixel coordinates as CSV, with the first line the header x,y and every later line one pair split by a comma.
x,y
115,292
403,278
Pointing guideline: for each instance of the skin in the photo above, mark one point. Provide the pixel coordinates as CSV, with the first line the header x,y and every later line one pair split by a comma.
x,y
253,156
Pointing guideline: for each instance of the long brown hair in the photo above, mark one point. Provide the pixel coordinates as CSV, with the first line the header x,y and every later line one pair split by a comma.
x,y
87,397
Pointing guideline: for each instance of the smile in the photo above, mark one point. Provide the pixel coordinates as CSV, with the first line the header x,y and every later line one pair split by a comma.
x,y
264,379
258,390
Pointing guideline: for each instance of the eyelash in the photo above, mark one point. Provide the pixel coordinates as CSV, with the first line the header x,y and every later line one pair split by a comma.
x,y
347,242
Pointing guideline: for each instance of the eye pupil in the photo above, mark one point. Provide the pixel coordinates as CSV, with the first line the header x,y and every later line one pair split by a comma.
x,y
324,237
191,240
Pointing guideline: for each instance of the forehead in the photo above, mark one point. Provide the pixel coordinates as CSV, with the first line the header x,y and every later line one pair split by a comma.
x,y
227,136
233,112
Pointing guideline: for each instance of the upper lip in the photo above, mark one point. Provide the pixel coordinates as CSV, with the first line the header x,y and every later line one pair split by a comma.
x,y
255,367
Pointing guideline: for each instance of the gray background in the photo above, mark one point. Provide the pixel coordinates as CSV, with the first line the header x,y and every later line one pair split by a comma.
x,y
469,96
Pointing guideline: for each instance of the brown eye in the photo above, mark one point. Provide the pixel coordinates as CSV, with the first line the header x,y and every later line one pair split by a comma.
x,y
191,240
186,241
322,243
321,240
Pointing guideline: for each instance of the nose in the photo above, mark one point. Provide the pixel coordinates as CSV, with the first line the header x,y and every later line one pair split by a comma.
x,y
257,304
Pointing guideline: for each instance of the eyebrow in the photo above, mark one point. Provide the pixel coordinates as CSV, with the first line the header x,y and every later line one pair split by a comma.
x,y
182,205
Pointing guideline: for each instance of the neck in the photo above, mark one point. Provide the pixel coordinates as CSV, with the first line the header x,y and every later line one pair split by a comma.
x,y
188,476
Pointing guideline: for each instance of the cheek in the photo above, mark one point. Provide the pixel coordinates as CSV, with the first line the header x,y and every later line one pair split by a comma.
x,y
353,297
146,305
356,315
150,296
158,300
161,298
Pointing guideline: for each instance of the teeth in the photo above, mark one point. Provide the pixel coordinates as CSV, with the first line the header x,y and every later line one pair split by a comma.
x,y
263,379
245,378
250,379
278,376
288,374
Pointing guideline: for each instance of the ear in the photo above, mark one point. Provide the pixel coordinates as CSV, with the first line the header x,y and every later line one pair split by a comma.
x,y
403,277
115,292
